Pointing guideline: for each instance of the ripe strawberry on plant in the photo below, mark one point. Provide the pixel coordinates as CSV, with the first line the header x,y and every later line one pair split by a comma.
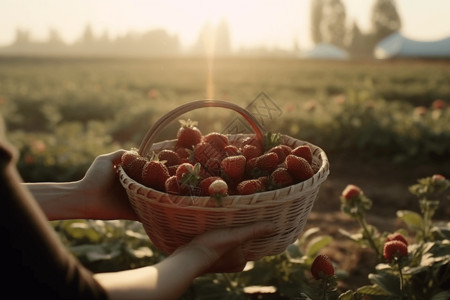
x,y
249,186
322,267
396,237
188,135
303,151
298,167
233,167
394,250
155,174
351,191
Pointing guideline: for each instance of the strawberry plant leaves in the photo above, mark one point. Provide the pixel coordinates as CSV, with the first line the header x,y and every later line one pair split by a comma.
x,y
444,295
373,290
316,244
412,219
388,282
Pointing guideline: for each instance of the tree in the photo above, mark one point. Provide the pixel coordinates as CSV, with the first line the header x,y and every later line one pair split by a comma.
x,y
385,19
333,23
316,20
222,39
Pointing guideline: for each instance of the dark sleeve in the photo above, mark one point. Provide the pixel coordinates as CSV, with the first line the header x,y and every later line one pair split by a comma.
x,y
35,262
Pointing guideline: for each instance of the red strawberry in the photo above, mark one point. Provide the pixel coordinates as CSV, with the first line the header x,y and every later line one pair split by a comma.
x,y
396,237
303,151
204,151
212,166
183,153
251,151
216,139
234,167
205,183
299,167
249,186
172,186
188,175
281,178
282,151
267,162
188,135
351,191
231,150
170,157
133,163
322,267
154,175
265,182
394,249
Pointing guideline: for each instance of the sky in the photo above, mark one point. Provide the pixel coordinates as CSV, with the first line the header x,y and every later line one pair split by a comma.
x,y
252,23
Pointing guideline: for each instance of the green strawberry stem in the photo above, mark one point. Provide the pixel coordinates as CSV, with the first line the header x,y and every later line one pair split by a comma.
x,y
364,226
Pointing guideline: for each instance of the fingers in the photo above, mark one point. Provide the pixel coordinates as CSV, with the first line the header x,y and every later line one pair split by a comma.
x,y
252,231
114,157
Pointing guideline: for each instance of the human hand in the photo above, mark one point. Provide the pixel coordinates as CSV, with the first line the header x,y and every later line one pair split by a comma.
x,y
221,250
105,198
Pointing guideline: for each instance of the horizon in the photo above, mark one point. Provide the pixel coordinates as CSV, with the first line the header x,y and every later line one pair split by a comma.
x,y
252,24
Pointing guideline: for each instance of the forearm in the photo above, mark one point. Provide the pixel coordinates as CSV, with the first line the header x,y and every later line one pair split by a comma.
x,y
59,201
168,279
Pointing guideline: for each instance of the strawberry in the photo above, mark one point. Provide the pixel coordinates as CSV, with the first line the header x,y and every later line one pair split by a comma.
x,y
170,157
133,163
281,178
212,166
282,151
251,151
204,151
251,140
188,135
183,153
351,191
218,188
188,175
322,267
233,167
155,174
303,151
171,185
205,183
231,150
249,186
265,182
396,237
217,140
394,249
267,162
298,167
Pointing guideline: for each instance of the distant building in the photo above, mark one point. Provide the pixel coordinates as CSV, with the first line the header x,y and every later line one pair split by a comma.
x,y
398,46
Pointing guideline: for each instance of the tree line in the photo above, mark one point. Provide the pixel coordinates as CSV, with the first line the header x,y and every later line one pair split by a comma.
x,y
328,25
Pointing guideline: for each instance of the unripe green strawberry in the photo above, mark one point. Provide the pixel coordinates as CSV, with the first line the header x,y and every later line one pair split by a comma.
x,y
393,249
218,188
322,267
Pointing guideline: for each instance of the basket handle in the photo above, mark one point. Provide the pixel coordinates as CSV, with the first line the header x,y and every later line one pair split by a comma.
x,y
148,140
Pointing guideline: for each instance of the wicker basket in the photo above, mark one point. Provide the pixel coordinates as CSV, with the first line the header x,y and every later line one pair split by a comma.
x,y
171,221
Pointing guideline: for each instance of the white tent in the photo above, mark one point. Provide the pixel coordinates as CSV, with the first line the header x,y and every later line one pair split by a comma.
x,y
325,51
396,45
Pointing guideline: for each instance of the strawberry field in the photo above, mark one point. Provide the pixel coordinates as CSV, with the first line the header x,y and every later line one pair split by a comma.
x,y
383,125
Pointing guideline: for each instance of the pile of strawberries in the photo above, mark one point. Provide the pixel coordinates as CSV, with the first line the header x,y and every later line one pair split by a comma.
x,y
211,165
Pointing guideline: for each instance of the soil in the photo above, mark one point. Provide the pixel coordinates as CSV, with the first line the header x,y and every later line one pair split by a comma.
x,y
386,184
